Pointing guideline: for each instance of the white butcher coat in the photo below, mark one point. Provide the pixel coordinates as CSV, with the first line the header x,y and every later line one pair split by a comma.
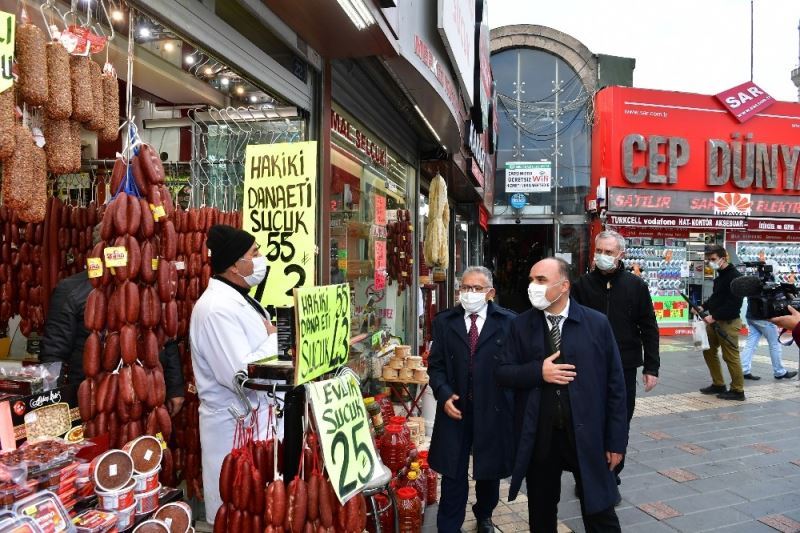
x,y
226,334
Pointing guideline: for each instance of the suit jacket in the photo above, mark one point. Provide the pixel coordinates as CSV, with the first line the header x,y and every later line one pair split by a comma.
x,y
448,367
596,396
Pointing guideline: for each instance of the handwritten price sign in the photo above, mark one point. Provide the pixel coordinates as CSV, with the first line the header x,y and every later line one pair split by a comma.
x,y
6,49
347,448
323,330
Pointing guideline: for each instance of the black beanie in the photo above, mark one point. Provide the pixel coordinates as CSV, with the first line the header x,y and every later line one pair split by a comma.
x,y
227,245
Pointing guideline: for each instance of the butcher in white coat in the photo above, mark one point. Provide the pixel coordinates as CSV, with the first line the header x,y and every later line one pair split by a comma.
x,y
228,330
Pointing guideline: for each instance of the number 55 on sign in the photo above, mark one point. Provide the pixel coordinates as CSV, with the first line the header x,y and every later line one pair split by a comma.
x,y
347,449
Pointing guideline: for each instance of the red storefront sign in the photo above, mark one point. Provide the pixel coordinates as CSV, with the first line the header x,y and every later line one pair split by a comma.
x,y
483,217
659,140
745,101
679,225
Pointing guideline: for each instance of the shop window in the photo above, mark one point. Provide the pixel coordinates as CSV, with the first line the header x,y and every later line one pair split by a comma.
x,y
542,113
370,216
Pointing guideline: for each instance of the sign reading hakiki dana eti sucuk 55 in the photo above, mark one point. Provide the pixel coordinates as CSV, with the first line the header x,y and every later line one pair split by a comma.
x,y
280,210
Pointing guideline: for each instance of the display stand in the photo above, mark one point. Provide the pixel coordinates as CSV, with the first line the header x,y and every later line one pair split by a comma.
x,y
401,390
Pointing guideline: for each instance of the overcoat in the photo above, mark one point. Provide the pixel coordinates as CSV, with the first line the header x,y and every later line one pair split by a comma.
x,y
448,367
596,396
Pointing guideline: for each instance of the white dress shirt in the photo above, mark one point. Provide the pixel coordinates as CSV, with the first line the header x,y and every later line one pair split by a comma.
x,y
479,321
563,314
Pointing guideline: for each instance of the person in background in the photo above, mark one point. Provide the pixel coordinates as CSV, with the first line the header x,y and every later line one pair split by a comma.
x,y
228,330
473,415
790,322
65,336
562,362
625,299
723,308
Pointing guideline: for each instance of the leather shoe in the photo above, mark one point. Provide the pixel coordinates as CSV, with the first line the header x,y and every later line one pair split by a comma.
x,y
754,378
788,375
486,526
731,395
714,389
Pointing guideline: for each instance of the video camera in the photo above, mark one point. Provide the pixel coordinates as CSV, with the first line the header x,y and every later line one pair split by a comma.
x,y
765,297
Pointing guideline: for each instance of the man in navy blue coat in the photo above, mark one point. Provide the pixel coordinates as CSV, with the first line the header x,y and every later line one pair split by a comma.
x,y
473,414
562,361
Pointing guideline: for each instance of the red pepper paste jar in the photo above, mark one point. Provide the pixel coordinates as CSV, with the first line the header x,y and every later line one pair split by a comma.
x,y
409,510
394,446
401,421
432,491
387,410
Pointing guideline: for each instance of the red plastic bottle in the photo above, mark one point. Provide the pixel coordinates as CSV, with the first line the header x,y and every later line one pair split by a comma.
x,y
386,407
394,447
401,421
432,491
409,510
386,517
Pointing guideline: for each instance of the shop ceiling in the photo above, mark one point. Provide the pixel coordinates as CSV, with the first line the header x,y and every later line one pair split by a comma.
x,y
325,26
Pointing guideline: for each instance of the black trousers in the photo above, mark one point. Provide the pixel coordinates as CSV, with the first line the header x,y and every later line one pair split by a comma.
x,y
544,488
630,394
455,490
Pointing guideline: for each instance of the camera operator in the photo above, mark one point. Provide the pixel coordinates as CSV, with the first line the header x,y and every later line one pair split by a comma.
x,y
790,322
722,326
758,327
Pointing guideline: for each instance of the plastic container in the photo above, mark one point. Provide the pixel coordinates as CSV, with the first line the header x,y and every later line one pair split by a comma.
x,y
146,482
94,521
125,517
402,422
46,510
432,478
111,470
114,500
386,517
387,410
147,502
374,410
177,516
409,510
18,524
151,526
146,453
414,481
393,448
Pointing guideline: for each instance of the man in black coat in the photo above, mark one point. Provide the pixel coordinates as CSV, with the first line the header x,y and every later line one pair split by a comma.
x,y
473,414
625,299
65,335
562,361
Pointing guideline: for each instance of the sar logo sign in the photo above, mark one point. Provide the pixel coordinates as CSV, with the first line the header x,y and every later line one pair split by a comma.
x,y
732,203
745,101
280,210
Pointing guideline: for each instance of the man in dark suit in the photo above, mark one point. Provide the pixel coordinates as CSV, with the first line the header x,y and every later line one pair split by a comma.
x,y
562,361
473,415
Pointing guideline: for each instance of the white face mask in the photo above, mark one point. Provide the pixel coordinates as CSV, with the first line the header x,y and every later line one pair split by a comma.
x,y
259,271
472,302
714,265
537,295
605,262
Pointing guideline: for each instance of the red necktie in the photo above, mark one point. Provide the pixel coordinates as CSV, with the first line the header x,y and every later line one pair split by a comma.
x,y
473,346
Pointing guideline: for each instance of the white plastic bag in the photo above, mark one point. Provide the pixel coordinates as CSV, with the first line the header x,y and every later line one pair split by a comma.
x,y
700,335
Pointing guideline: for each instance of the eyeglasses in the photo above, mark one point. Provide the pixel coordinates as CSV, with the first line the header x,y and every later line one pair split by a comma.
x,y
473,288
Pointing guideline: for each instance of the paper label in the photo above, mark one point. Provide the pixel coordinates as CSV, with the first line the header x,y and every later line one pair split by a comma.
x,y
112,470
148,454
180,265
94,267
158,211
7,27
154,263
116,256
160,438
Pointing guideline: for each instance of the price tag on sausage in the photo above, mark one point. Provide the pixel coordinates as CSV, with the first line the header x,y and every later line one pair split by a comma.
x,y
347,448
158,211
94,267
116,256
154,263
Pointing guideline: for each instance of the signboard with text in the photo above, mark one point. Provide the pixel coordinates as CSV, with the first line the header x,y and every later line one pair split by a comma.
x,y
323,330
670,309
528,176
280,207
456,24
745,101
343,428
7,27
668,141
380,264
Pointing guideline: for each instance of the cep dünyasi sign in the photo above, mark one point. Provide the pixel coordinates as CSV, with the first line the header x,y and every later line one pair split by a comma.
x,y
657,159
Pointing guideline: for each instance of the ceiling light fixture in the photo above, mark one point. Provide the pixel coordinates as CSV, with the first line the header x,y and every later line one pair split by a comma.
x,y
425,120
225,81
117,15
358,13
189,60
168,46
254,98
145,32
240,90
208,71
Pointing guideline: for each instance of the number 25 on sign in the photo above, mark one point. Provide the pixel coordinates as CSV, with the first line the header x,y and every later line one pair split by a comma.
x,y
347,448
